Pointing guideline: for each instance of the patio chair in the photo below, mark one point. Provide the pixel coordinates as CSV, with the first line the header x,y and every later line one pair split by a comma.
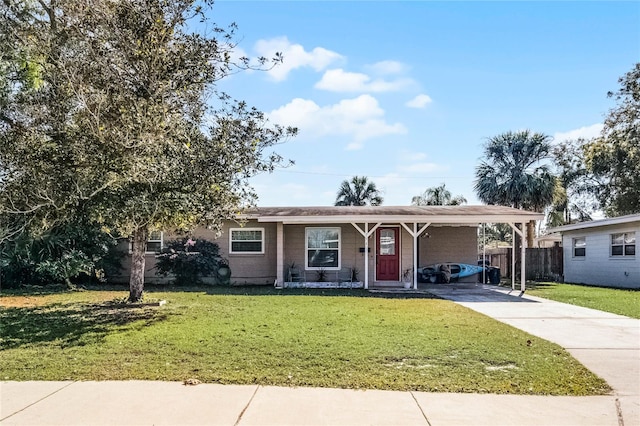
x,y
295,275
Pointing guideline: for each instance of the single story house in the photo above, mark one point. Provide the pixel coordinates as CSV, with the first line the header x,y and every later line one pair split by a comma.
x,y
547,240
602,252
374,246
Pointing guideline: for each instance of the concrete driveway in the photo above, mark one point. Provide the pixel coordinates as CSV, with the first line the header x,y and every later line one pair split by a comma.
x,y
605,343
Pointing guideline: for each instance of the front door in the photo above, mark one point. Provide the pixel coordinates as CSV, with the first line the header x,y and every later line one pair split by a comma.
x,y
387,256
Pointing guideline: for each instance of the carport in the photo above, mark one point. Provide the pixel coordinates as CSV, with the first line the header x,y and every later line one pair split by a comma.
x,y
367,220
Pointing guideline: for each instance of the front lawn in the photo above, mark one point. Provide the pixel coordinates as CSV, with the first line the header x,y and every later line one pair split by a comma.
x,y
617,301
286,338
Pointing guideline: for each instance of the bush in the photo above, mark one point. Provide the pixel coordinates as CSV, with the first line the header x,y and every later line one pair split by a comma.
x,y
190,260
69,265
77,250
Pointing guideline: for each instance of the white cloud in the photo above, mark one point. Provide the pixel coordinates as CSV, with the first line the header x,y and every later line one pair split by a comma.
x,y
405,156
236,53
586,132
416,163
387,67
295,191
295,56
419,101
359,118
412,170
339,80
424,167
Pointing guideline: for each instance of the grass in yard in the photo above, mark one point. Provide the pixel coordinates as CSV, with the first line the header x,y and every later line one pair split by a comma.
x,y
614,300
287,338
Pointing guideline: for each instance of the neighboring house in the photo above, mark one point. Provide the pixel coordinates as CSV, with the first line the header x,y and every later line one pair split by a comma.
x,y
547,240
379,243
602,252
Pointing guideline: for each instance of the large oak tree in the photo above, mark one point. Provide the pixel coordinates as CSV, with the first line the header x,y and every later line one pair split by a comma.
x,y
111,110
615,156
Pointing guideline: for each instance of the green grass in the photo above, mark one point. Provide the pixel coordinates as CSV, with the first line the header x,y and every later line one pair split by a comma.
x,y
617,301
287,338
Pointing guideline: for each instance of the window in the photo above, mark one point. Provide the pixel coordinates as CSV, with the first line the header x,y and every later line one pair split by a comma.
x,y
246,240
155,242
323,248
579,247
623,244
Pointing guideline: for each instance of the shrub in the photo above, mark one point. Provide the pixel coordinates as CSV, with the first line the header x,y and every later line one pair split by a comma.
x,y
190,260
76,250
69,265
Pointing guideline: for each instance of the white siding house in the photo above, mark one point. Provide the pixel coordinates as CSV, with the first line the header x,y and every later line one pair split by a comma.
x,y
602,252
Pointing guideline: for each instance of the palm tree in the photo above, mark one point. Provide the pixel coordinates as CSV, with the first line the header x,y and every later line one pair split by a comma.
x,y
358,192
437,196
562,211
495,233
514,173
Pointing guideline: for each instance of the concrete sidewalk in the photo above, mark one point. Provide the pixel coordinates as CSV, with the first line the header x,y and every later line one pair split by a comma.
x,y
607,344
170,403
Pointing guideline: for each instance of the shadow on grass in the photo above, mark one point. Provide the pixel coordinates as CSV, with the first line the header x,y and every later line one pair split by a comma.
x,y
72,324
263,290
234,290
531,285
539,285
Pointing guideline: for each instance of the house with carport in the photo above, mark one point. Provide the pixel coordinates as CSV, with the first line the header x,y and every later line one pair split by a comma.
x,y
374,246
602,252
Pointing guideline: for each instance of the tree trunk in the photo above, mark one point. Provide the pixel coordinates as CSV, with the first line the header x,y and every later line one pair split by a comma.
x,y
70,285
136,279
531,226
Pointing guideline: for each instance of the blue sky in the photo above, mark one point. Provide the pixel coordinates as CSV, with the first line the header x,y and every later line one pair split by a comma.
x,y
407,93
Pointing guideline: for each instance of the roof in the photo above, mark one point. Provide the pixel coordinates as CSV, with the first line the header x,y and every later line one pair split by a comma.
x,y
598,223
393,214
548,237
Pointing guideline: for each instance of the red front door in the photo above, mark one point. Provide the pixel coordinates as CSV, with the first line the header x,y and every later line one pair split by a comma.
x,y
387,256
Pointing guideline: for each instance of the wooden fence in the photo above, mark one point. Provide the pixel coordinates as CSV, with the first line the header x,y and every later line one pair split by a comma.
x,y
541,263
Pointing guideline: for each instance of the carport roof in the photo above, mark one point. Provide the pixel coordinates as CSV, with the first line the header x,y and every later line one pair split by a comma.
x,y
393,214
